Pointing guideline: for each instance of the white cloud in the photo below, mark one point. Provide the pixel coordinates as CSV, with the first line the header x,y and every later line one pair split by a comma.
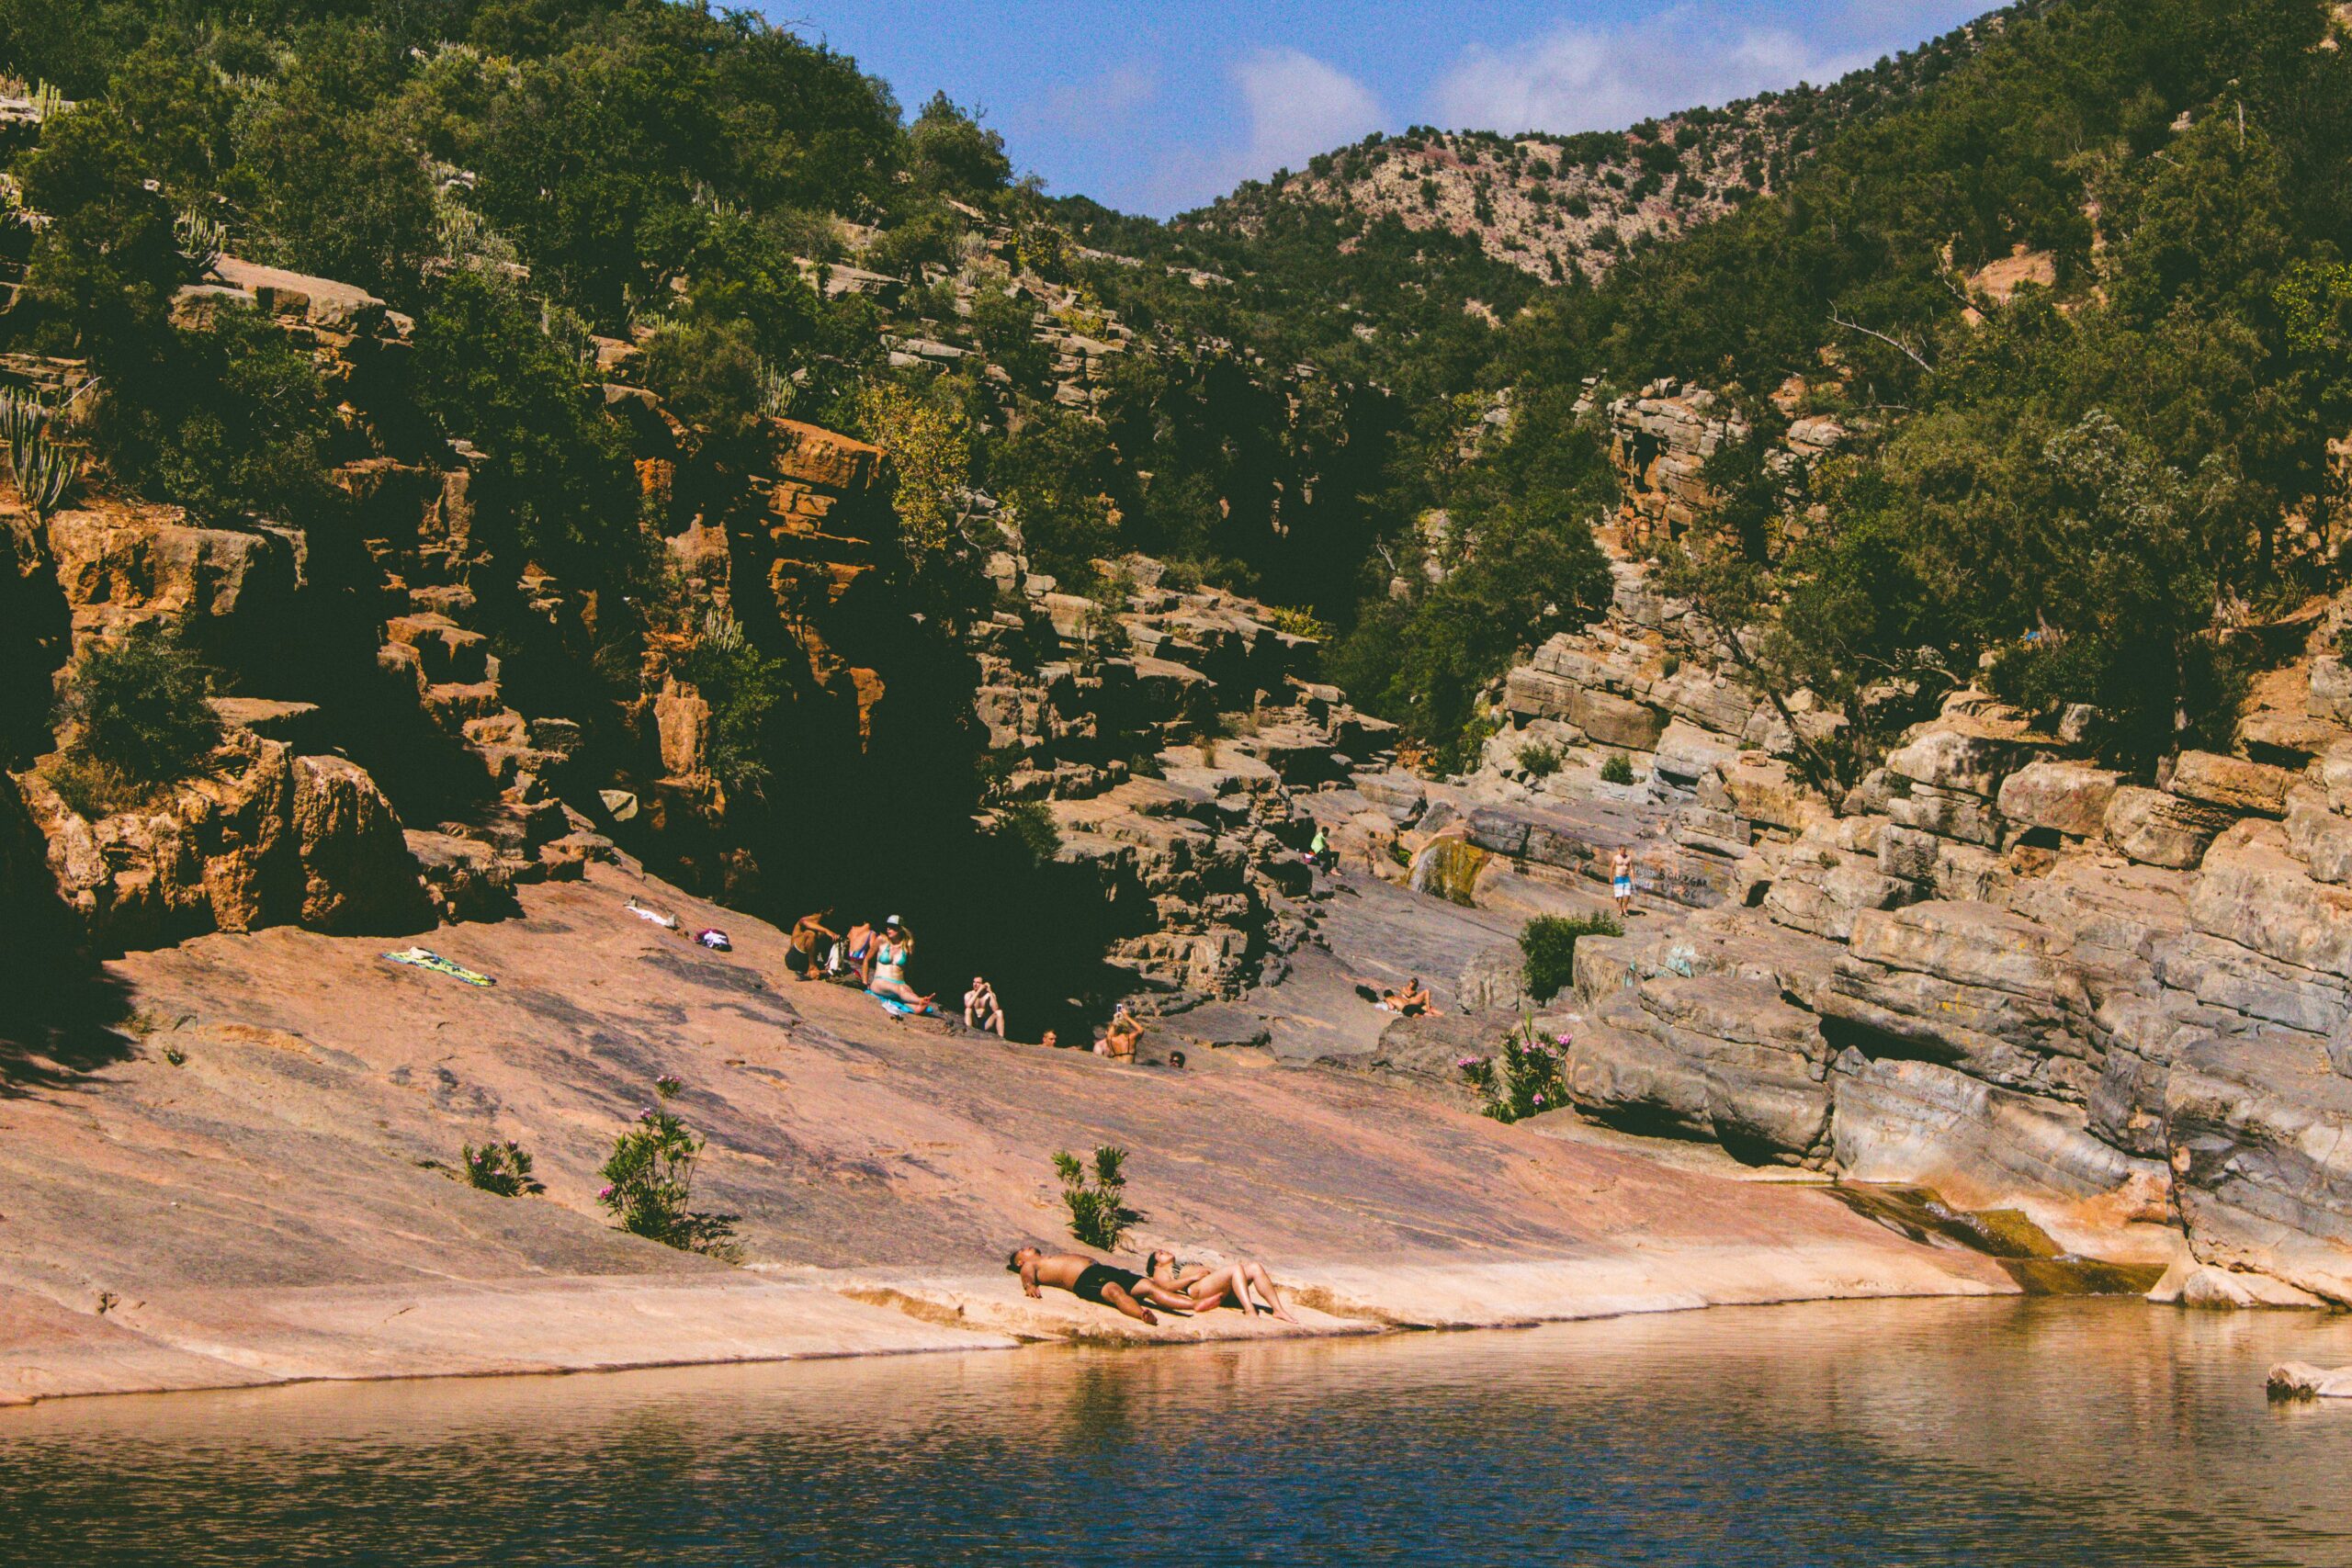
x,y
1104,107
1297,107
1589,79
1293,106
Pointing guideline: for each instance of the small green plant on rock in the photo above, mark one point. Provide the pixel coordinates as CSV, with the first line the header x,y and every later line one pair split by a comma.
x,y
1099,1214
503,1168
1541,760
1547,947
648,1182
1616,770
1298,623
1030,824
1528,1079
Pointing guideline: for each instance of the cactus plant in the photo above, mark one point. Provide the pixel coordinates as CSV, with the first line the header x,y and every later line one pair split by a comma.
x,y
199,238
45,472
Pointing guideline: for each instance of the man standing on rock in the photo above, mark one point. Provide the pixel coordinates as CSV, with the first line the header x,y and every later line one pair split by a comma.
x,y
1620,880
1091,1282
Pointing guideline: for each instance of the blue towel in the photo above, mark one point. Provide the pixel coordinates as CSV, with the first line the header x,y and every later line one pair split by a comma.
x,y
892,1004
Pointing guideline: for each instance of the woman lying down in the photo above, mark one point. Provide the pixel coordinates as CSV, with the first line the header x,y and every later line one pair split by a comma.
x,y
1210,1287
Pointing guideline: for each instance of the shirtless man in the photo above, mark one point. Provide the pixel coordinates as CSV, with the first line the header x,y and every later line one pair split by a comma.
x,y
982,1009
1620,880
801,958
1122,1290
1208,1288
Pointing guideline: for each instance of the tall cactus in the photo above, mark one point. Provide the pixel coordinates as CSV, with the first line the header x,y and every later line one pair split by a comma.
x,y
45,472
22,422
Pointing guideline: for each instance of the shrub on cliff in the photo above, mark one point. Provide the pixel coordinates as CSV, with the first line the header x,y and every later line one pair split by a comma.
x,y
1547,947
246,431
1527,1077
139,718
742,685
648,1182
1097,1201
503,1168
1030,824
557,468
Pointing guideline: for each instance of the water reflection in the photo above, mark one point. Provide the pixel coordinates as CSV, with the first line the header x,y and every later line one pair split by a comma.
x,y
1976,1433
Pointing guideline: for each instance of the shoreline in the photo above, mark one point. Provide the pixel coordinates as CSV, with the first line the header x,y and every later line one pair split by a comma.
x,y
213,1341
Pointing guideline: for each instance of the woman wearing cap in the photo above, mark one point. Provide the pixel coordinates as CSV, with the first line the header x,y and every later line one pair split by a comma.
x,y
892,951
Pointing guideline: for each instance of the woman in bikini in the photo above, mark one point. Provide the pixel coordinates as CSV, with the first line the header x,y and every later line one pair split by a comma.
x,y
892,951
1208,1288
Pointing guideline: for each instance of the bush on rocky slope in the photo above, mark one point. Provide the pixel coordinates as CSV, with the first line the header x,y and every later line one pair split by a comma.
x,y
139,718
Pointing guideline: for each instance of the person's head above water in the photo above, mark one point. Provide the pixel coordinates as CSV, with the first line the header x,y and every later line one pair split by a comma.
x,y
1050,1040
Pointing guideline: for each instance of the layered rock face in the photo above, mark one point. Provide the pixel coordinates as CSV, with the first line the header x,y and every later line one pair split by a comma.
x,y
1996,966
1172,737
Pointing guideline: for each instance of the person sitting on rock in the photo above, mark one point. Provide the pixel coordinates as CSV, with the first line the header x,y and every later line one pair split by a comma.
x,y
1122,1290
853,954
893,950
982,1009
1118,1042
1210,1287
801,956
1412,999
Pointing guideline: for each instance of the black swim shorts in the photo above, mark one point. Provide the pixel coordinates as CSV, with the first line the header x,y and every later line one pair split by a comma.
x,y
1094,1276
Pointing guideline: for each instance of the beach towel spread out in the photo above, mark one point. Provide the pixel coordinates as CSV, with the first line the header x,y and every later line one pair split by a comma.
x,y
667,922
426,958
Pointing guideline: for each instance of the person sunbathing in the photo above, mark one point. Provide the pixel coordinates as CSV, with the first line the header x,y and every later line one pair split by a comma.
x,y
1210,1287
1106,1284
1118,1041
982,1009
892,951
1412,999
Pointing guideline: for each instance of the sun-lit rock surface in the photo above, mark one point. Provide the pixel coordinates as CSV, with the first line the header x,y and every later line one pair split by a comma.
x,y
250,1179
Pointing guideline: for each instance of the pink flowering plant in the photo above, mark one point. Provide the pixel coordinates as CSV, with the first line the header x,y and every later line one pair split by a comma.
x,y
1528,1077
648,1181
503,1168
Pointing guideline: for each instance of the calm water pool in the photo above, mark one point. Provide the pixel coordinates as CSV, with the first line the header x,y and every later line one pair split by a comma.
x,y
2045,1432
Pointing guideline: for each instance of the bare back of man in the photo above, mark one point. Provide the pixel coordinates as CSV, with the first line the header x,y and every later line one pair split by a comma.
x,y
1090,1279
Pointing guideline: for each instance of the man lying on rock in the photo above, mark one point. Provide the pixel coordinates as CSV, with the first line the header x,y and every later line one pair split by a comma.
x,y
1122,1290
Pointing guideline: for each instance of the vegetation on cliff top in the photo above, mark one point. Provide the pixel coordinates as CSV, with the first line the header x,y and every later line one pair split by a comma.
x,y
2085,486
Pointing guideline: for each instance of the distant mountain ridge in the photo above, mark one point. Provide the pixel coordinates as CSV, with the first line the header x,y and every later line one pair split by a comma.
x,y
1548,204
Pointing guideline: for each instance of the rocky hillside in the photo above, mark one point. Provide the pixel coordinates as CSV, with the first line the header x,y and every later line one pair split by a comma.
x,y
1548,204
1992,966
491,776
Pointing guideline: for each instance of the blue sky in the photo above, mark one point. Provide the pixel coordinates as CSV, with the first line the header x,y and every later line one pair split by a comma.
x,y
1158,107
